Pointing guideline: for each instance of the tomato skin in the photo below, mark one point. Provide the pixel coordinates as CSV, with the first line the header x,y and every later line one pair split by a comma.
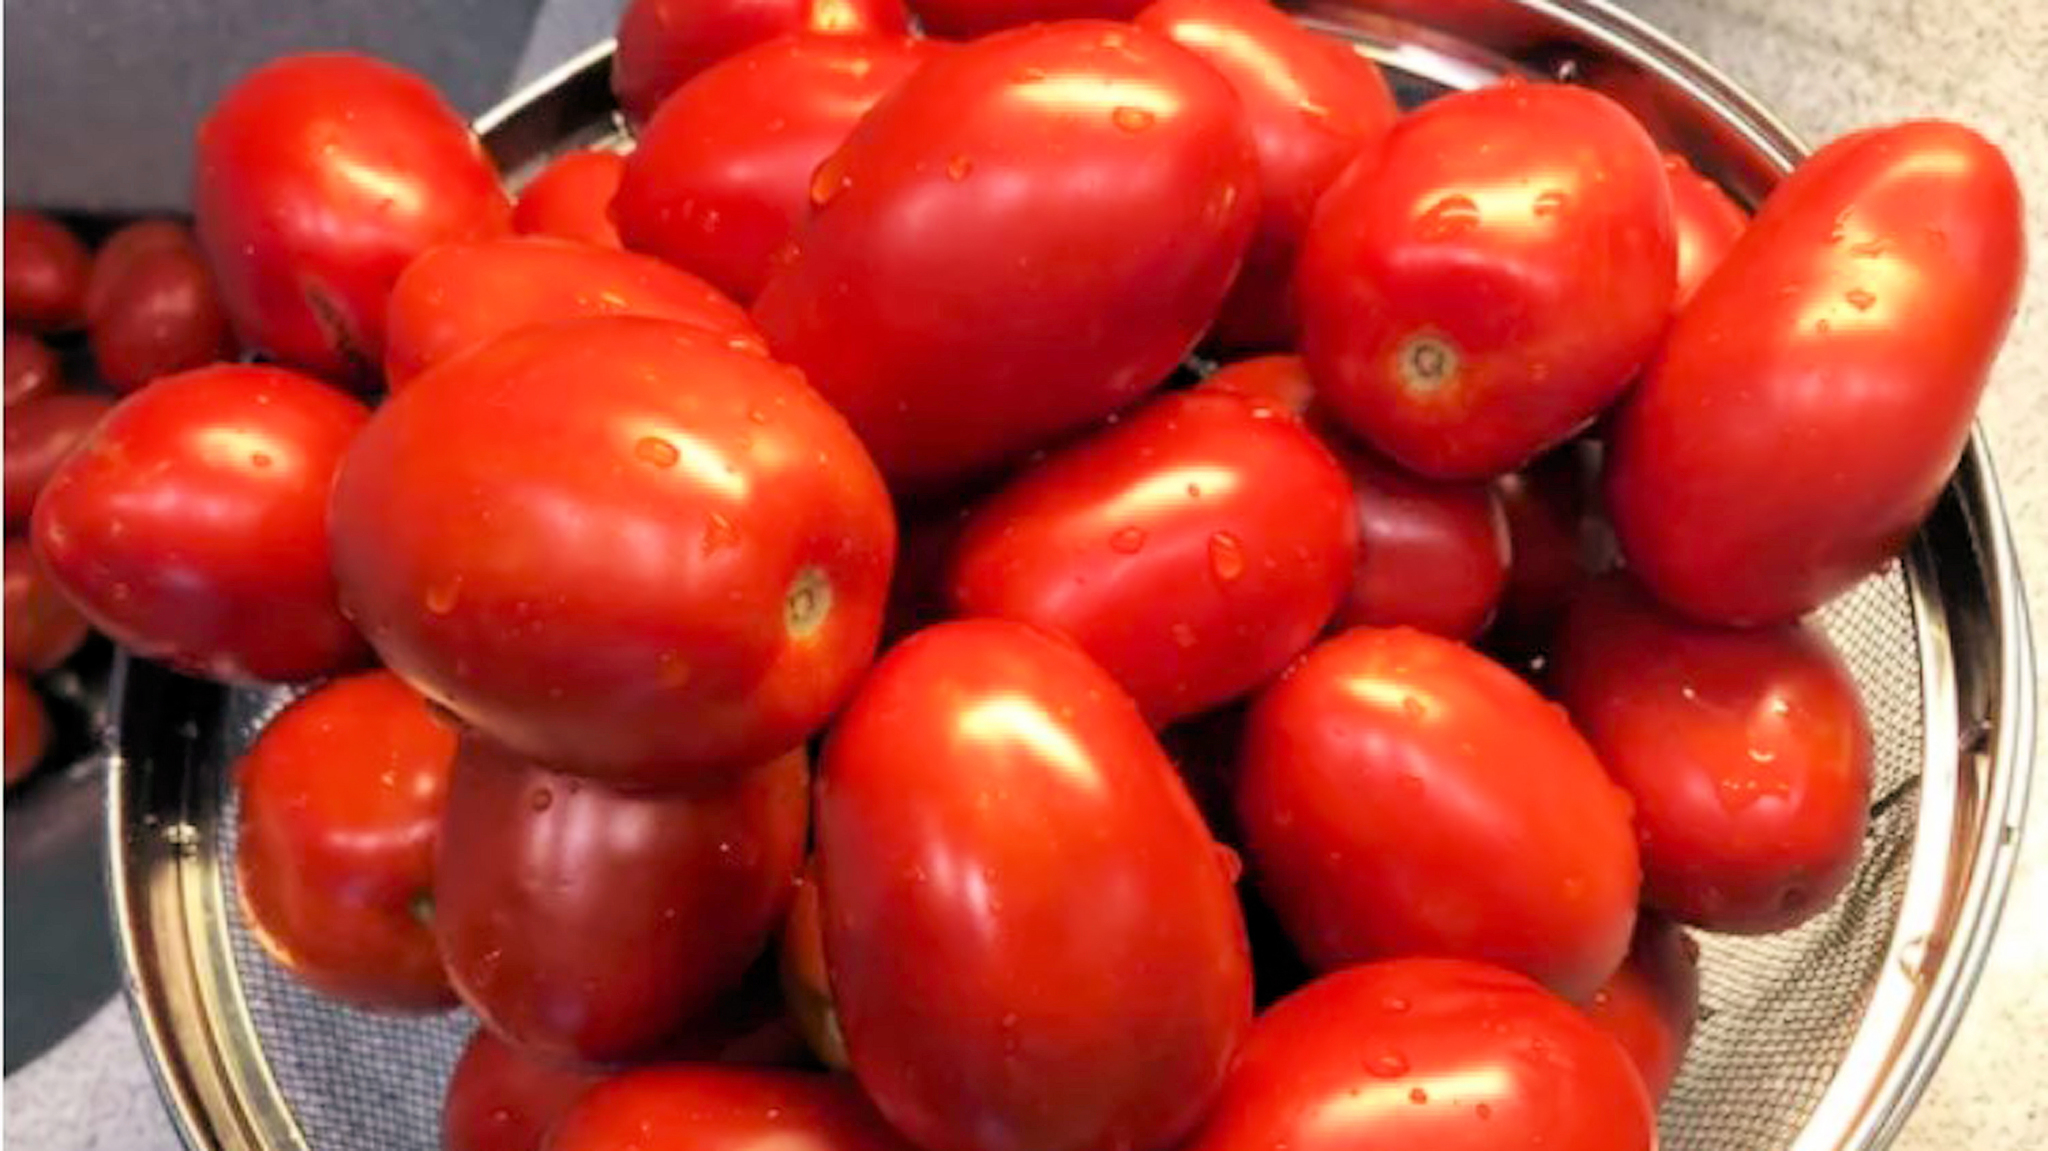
x,y
1403,795
1558,542
1650,1005
191,526
663,43
341,803
1313,104
968,19
32,368
458,297
320,177
722,174
501,1099
806,985
27,727
1747,753
1444,318
1788,442
1708,224
571,199
43,629
1022,1010
704,1108
152,307
956,322
40,436
1191,549
593,925
45,274
1437,1053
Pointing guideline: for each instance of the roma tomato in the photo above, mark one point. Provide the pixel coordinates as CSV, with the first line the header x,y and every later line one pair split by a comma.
x,y
1707,222
1747,753
43,629
722,175
120,251
703,1108
32,368
1313,104
957,321
1032,939
27,728
1814,396
45,273
618,546
1650,1005
1448,278
320,177
1191,549
967,19
191,527
1443,1054
571,199
594,925
341,803
805,984
502,1099
663,43
151,307
459,297
40,436
1403,795
1558,541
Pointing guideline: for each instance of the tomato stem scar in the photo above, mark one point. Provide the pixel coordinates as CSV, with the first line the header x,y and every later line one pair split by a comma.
x,y
1427,363
808,603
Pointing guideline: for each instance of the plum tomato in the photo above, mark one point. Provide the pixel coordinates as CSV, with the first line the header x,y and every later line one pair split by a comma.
x,y
1707,222
43,629
1403,795
40,435
593,925
956,321
1747,753
967,19
1437,1053
1448,277
191,526
503,1099
45,273
806,987
571,199
1558,541
664,43
151,307
1813,397
706,1108
1650,1005
32,368
618,546
341,799
27,727
1033,941
320,177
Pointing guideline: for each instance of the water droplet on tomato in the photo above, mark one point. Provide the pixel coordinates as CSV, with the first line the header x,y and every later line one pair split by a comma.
x,y
1226,557
657,451
441,597
958,168
719,533
1132,119
541,799
1859,299
1447,218
1128,541
1483,1111
259,459
1417,1095
1388,1065
1183,635
1551,203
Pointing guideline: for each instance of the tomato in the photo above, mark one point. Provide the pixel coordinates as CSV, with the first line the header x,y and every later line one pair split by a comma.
x,y
571,199
805,983
502,1099
664,582
1403,795
1557,542
663,43
957,321
1450,278
1033,941
28,728
966,19
917,594
1747,753
1435,1053
41,435
1813,398
341,803
43,629
701,1108
46,269
1313,103
1204,750
461,296
32,368
1191,549
594,925
1707,221
722,175
1277,382
1651,1004
320,177
191,526
152,308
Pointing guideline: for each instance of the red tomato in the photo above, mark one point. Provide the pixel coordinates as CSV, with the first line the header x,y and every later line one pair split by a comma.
x,y
1428,1053
956,320
722,176
32,368
320,177
1312,104
459,297
152,308
663,43
46,269
1747,753
43,629
1813,398
571,199
1651,1004
594,925
1032,939
1707,221
40,436
191,527
668,580
1277,382
1557,542
27,728
341,803
702,1108
967,19
502,1099
1449,280
1191,549
1403,795
805,984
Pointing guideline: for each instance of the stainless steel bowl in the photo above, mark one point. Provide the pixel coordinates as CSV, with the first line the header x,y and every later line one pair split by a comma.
x,y
1820,1039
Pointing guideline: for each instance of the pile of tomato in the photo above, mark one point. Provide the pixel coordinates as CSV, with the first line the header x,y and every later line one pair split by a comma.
x,y
804,651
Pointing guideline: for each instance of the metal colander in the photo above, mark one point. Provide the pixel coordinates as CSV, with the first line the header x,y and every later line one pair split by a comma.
x,y
1819,1039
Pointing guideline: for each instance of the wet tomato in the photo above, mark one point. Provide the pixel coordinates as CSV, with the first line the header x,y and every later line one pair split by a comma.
x,y
967,19
663,43
805,985
43,629
502,1099
1650,1005
152,309
32,368
45,273
28,728
1557,542
571,199
1707,222
41,434
704,1108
